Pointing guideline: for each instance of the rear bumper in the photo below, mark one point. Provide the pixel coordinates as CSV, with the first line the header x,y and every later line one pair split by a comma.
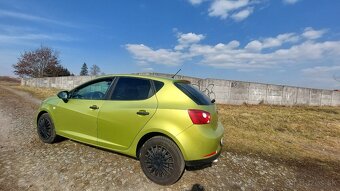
x,y
203,162
200,143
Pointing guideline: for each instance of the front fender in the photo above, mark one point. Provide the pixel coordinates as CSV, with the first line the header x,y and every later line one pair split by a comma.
x,y
47,106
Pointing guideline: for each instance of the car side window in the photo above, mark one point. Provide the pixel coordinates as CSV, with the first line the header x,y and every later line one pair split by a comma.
x,y
94,91
132,89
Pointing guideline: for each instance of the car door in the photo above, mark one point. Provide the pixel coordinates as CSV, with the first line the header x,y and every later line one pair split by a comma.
x,y
131,105
77,119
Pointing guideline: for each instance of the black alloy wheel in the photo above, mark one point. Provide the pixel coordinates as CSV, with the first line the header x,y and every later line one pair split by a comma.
x,y
46,129
161,160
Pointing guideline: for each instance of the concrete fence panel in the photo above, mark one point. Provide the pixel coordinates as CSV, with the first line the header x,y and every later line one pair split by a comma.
x,y
336,98
302,97
274,94
217,89
326,97
239,92
289,96
315,97
223,91
257,93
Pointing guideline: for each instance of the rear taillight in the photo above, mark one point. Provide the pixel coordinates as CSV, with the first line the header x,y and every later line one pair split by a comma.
x,y
199,116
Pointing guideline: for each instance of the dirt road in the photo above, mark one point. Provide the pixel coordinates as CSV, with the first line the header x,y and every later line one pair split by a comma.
x,y
28,164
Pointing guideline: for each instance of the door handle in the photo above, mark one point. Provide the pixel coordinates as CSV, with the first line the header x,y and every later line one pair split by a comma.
x,y
142,112
94,107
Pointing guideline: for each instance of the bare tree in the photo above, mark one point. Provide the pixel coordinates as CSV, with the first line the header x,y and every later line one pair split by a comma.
x,y
42,62
94,70
58,71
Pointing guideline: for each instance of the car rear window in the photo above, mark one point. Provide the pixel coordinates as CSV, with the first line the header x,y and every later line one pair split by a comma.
x,y
193,93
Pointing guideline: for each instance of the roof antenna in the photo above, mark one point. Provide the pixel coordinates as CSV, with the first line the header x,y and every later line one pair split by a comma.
x,y
176,73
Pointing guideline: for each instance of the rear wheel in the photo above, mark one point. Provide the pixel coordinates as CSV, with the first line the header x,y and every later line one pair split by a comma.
x,y
161,160
45,128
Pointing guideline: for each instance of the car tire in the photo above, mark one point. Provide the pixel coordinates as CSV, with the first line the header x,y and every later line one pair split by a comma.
x,y
161,160
46,130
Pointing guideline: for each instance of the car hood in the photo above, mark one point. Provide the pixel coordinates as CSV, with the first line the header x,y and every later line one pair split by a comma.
x,y
52,99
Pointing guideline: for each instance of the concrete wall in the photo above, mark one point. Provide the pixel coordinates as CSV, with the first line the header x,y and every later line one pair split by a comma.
x,y
67,82
223,91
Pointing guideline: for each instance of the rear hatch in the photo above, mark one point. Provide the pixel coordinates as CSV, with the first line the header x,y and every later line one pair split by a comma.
x,y
204,103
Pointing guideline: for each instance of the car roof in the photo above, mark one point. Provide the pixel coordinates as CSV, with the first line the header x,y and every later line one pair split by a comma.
x,y
158,78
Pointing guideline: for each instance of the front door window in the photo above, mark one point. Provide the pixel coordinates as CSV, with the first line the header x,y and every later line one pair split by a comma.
x,y
94,91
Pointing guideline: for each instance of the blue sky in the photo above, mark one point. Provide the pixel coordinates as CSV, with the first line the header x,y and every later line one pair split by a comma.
x,y
291,42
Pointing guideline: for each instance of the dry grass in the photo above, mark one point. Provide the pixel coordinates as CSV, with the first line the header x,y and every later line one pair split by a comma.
x,y
41,93
303,136
9,81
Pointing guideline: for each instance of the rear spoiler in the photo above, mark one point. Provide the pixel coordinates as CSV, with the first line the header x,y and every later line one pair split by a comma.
x,y
183,81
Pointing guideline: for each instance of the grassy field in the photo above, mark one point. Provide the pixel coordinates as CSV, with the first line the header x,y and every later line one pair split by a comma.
x,y
40,93
9,81
306,137
302,136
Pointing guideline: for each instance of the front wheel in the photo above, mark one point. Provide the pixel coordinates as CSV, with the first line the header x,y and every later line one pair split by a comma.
x,y
161,160
45,128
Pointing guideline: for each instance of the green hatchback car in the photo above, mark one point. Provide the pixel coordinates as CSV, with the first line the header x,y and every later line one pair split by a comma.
x,y
167,124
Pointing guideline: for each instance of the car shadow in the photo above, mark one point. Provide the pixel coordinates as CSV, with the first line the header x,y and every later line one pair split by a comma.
x,y
200,167
188,168
100,148
197,187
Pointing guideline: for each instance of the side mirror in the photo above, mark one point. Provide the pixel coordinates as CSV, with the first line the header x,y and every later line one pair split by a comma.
x,y
64,95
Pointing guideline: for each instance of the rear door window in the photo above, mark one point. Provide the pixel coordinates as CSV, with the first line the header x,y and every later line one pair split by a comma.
x,y
158,85
132,89
193,93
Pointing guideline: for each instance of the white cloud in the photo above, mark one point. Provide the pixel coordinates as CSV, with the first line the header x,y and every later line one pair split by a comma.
x,y
16,35
290,1
279,40
307,52
33,18
312,34
272,42
10,35
321,75
196,2
254,45
144,54
184,40
271,52
321,69
243,14
10,29
190,38
222,8
238,10
17,39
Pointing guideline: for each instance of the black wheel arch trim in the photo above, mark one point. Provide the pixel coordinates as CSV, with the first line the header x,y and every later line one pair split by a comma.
x,y
40,114
148,136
